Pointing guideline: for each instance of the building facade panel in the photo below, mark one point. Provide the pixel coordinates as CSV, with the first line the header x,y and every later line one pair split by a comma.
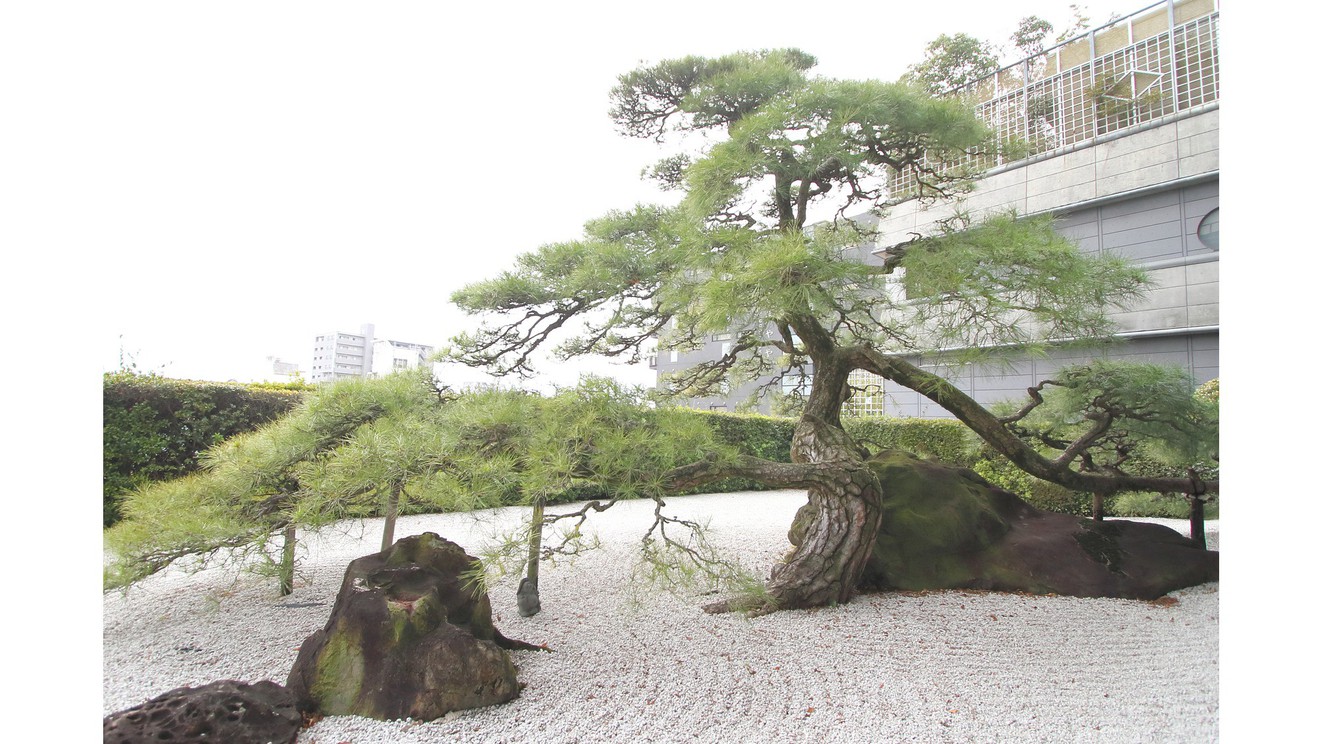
x,y
1063,192
338,355
1006,191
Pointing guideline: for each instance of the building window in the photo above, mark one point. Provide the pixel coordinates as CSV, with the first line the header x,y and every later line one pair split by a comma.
x,y
796,384
866,395
1208,230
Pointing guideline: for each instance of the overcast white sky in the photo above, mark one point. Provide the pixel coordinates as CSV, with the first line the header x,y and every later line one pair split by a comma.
x,y
227,180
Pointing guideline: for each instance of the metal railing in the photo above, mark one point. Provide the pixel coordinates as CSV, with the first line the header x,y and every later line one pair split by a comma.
x,y
1158,62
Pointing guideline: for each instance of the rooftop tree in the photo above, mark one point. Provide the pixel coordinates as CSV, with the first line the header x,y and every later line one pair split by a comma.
x,y
760,245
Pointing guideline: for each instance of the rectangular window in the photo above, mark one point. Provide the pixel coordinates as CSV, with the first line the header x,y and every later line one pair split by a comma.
x,y
867,395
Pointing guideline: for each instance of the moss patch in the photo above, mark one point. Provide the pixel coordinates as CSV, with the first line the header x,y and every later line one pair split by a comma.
x,y
936,520
338,684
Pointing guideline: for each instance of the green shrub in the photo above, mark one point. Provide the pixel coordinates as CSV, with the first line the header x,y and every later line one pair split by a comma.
x,y
939,439
753,434
153,428
1041,494
1168,505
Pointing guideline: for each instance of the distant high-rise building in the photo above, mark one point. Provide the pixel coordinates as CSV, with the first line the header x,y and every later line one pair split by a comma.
x,y
339,355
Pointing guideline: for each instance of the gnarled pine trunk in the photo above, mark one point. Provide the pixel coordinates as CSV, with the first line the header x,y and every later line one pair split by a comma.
x,y
825,568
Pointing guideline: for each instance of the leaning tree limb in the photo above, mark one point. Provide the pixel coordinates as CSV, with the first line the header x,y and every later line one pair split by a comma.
x,y
1001,438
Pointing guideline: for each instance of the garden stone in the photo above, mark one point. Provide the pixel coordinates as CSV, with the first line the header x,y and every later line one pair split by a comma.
x,y
945,527
225,711
407,637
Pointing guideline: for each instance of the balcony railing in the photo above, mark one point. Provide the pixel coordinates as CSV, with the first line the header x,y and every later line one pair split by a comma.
x,y
1158,62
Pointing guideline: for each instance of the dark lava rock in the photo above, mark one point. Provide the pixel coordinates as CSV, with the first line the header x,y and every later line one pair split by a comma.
x,y
226,711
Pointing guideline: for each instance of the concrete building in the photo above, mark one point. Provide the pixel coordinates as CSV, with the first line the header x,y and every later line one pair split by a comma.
x,y
1114,134
339,355
389,356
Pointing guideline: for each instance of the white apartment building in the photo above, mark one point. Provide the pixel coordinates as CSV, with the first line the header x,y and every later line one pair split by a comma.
x,y
338,355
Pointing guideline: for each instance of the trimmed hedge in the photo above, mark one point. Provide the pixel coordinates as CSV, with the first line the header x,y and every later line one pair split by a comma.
x,y
941,439
153,428
767,437
1039,493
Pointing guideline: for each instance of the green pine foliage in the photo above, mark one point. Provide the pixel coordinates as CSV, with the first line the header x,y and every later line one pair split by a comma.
x,y
250,485
1158,425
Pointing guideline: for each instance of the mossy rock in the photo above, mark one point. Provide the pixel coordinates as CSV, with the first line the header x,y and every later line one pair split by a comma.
x,y
406,638
946,527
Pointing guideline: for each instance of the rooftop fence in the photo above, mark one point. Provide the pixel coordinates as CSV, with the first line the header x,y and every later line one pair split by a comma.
x,y
1157,63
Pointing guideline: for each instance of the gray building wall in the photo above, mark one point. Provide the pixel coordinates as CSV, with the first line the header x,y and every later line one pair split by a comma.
x,y
1196,352
1177,324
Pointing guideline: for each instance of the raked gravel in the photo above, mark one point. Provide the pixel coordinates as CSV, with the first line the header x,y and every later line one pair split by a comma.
x,y
632,663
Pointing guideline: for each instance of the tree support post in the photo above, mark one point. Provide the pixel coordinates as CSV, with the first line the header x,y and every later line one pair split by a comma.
x,y
1197,520
286,573
1196,496
530,603
392,512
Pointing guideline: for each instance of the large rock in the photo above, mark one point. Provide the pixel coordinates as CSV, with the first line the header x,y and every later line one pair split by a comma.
x,y
406,638
945,527
225,711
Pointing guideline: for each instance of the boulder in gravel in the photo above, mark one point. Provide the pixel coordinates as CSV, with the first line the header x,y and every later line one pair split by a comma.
x,y
225,711
945,527
407,637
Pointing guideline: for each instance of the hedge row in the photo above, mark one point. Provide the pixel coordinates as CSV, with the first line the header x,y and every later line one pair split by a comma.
x,y
153,428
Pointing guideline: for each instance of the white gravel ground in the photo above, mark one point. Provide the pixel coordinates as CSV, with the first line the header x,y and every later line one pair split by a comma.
x,y
636,664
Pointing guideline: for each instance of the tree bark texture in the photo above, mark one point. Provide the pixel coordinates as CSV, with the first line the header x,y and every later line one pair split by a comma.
x,y
826,567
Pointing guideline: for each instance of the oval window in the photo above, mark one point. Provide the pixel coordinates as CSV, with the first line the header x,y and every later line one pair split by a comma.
x,y
1208,230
